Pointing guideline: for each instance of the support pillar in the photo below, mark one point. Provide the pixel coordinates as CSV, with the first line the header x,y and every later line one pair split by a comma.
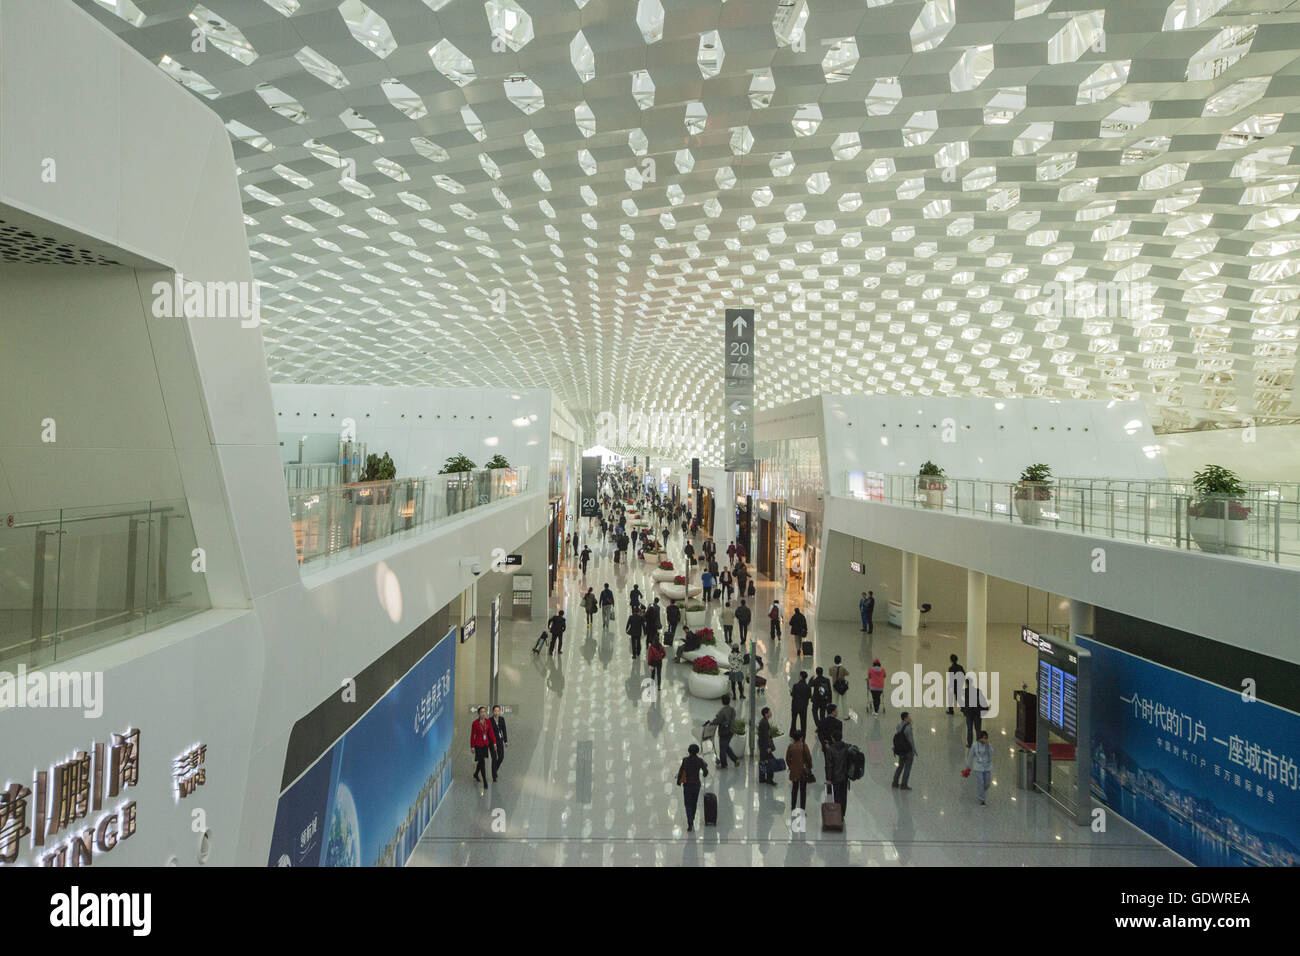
x,y
977,608
911,607
1082,619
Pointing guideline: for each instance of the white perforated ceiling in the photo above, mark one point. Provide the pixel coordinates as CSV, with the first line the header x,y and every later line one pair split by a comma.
x,y
980,197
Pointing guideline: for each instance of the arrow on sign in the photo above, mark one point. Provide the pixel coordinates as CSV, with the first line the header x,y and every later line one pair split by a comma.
x,y
738,408
739,324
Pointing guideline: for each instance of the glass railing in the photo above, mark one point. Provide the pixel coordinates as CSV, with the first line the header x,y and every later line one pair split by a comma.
x,y
75,579
1263,524
342,519
306,476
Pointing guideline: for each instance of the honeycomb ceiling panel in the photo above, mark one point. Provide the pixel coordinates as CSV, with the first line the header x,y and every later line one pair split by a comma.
x,y
1012,198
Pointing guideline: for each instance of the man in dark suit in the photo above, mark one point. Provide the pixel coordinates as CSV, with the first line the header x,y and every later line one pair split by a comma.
x,y
830,729
499,751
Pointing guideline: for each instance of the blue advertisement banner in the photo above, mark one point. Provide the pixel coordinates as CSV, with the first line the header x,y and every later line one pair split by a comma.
x,y
1207,773
366,801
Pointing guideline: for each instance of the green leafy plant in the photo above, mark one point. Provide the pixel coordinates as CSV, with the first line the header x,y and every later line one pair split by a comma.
x,y
378,469
497,461
1035,483
931,477
456,464
1214,486
739,727
694,608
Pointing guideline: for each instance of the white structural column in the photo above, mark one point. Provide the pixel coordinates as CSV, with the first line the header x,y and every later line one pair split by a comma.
x,y
1081,619
911,610
977,607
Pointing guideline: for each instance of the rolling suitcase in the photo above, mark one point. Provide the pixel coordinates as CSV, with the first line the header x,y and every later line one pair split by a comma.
x,y
807,648
710,809
832,817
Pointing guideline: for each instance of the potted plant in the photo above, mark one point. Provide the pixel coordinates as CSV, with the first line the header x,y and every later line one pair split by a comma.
x,y
460,486
665,566
375,469
930,481
1217,518
706,635
497,461
1034,487
695,616
679,580
704,680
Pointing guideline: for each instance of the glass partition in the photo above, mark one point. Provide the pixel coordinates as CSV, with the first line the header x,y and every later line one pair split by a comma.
x,y
331,521
75,579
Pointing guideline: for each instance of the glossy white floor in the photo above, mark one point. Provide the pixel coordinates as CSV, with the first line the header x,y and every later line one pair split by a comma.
x,y
589,776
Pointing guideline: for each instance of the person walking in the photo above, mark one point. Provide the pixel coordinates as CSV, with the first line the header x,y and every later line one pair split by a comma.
x,y
956,678
654,655
830,728
839,675
774,617
634,597
865,608
502,742
980,762
798,760
743,615
821,696
583,559
688,778
575,544
634,628
798,629
556,626
606,606
766,749
876,681
589,605
736,672
727,617
800,695
904,750
653,621
725,719
750,591
742,578
706,582
726,581
731,553
973,704
482,741
674,616
837,771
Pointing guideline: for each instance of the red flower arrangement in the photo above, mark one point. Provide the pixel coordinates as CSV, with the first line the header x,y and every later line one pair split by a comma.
x,y
705,635
679,580
705,665
665,566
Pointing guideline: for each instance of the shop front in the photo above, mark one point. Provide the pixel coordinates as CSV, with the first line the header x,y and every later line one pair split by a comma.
x,y
797,557
555,542
704,508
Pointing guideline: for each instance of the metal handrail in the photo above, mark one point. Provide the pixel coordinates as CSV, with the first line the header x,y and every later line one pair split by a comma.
x,y
95,517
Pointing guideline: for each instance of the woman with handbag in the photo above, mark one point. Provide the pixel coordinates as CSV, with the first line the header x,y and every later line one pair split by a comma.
x,y
798,759
655,654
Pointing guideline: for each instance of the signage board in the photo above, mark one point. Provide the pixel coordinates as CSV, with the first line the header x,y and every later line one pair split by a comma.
x,y
468,628
857,567
590,487
738,391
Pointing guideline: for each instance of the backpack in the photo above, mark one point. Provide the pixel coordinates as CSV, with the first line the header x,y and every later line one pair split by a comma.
x,y
857,761
841,687
901,747
656,653
821,690
774,614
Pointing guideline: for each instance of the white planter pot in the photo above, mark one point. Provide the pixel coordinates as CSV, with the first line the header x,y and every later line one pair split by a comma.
x,y
696,619
1218,536
663,577
704,650
654,558
1030,509
707,687
934,498
679,592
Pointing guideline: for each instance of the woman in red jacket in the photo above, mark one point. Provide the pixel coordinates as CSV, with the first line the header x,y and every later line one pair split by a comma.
x,y
482,740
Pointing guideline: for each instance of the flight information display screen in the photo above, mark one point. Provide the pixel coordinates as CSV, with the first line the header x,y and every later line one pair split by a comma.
x,y
1058,698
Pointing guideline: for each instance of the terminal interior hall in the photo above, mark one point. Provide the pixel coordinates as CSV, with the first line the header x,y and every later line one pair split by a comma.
x,y
649,433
